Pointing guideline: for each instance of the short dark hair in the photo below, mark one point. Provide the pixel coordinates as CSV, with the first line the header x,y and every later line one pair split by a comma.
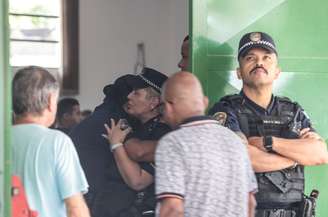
x,y
66,105
31,88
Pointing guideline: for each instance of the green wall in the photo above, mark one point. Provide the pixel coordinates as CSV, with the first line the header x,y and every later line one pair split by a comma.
x,y
4,113
300,30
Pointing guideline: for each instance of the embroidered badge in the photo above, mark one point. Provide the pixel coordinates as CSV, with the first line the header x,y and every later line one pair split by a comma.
x,y
221,117
255,36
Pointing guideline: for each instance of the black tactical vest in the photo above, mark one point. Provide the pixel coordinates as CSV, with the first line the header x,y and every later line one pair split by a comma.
x,y
284,186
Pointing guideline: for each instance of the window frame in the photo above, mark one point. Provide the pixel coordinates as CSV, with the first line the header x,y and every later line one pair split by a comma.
x,y
70,61
69,76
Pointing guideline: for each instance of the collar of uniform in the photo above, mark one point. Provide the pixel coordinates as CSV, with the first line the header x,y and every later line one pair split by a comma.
x,y
197,120
258,108
152,120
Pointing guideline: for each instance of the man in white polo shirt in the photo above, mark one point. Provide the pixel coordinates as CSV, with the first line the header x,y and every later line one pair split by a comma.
x,y
202,168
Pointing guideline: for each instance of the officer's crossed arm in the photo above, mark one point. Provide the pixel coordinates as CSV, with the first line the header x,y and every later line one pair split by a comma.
x,y
141,150
263,161
308,150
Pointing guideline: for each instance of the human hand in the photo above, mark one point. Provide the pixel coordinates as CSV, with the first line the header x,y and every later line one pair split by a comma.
x,y
307,134
115,134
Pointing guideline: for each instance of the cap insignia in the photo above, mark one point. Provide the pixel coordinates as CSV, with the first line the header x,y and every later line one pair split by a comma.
x,y
255,36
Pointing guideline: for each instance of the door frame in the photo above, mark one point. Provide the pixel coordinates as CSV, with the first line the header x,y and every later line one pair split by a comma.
x,y
5,113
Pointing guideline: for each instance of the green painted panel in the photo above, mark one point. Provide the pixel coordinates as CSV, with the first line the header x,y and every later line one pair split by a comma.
x,y
300,30
5,119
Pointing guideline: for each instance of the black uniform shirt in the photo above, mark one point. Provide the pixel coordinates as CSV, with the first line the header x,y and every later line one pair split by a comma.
x,y
153,129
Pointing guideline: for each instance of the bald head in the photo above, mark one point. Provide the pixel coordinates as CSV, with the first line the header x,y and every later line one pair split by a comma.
x,y
185,87
183,92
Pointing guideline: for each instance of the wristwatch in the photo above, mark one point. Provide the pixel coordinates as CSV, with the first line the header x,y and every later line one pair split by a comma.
x,y
267,143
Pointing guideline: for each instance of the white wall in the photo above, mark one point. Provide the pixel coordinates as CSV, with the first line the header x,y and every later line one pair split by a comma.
x,y
110,31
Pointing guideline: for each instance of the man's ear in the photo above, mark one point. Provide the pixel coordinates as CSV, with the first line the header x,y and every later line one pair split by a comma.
x,y
278,71
205,102
168,107
155,101
238,73
52,102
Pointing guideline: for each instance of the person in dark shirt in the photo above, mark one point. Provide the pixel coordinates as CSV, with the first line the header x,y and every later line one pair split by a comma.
x,y
85,113
68,114
144,104
109,195
184,61
95,156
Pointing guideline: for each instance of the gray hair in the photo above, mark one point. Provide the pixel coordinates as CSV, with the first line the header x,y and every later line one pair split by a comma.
x,y
151,92
31,88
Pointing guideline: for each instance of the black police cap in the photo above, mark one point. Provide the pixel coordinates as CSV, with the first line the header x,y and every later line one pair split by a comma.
x,y
148,78
256,40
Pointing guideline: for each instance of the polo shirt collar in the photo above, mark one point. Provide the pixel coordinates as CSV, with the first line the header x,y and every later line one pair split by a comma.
x,y
195,120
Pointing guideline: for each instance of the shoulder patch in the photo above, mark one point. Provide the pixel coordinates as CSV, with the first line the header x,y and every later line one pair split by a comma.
x,y
221,117
287,101
284,99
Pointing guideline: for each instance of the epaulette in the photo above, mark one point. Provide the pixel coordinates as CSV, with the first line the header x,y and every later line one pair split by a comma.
x,y
288,102
232,97
284,99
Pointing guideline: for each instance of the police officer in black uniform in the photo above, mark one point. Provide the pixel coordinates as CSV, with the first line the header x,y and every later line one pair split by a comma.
x,y
143,104
96,158
279,135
